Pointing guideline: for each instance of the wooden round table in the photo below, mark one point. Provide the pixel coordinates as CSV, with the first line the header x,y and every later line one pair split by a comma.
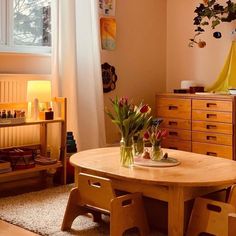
x,y
197,175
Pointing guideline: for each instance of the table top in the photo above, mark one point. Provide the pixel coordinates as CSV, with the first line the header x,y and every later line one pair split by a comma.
x,y
194,170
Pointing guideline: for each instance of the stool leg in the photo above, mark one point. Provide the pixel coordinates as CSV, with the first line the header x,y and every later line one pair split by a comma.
x,y
129,211
72,210
116,230
97,216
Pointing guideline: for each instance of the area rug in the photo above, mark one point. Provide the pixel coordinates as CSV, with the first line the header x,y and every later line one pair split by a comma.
x,y
42,212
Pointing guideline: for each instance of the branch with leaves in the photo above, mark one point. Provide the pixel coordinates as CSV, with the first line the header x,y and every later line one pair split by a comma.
x,y
210,12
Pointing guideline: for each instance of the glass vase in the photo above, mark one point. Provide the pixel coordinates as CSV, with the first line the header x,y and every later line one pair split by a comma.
x,y
156,152
138,145
126,153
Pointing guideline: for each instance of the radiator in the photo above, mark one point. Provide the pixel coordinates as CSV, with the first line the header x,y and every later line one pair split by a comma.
x,y
13,89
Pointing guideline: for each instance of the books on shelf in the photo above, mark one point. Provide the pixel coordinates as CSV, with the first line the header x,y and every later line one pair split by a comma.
x,y
5,166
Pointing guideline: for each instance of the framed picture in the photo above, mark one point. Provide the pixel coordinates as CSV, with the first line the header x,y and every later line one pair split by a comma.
x,y
107,7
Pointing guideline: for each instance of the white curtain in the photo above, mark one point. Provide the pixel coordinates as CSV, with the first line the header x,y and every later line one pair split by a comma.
x,y
76,70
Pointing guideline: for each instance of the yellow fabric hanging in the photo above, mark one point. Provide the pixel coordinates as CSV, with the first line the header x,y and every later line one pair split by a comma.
x,y
227,77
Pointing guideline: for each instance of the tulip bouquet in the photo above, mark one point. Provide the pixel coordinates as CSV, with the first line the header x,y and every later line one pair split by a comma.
x,y
130,120
155,135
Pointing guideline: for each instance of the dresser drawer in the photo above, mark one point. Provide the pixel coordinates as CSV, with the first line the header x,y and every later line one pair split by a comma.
x,y
176,124
174,108
213,138
176,144
212,105
179,134
225,117
214,127
213,150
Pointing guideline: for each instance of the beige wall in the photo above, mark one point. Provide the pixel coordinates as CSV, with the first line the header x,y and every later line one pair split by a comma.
x,y
184,63
13,63
140,55
152,52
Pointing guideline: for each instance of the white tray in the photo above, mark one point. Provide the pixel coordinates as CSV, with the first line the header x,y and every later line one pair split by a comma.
x,y
168,162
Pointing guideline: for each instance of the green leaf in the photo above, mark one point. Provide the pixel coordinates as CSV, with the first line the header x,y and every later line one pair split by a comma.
x,y
215,23
205,23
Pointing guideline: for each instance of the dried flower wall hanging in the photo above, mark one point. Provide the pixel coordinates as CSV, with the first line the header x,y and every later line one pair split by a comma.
x,y
210,12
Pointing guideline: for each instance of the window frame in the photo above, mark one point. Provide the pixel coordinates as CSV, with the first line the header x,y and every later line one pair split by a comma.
x,y
6,33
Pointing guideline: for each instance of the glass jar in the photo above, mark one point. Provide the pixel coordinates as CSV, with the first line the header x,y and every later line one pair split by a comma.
x,y
126,152
156,152
138,145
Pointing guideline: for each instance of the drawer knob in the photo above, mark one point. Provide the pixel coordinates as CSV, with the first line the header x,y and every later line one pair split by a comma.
x,y
211,126
211,138
171,107
212,154
211,116
174,123
173,133
211,104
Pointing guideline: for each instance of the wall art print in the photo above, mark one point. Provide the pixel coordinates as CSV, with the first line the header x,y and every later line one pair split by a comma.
x,y
107,7
108,33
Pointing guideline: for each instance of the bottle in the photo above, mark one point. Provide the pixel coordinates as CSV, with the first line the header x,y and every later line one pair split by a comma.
x,y
48,151
9,115
4,115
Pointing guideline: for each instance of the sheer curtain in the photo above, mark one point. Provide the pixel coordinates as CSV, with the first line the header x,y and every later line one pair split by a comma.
x,y
76,69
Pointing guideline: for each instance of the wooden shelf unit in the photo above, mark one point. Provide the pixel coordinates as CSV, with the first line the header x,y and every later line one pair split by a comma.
x,y
61,104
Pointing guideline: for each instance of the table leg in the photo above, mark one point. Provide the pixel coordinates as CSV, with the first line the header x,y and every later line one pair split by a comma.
x,y
176,211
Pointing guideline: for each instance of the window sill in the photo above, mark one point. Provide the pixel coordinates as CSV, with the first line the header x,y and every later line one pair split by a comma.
x,y
21,51
2,53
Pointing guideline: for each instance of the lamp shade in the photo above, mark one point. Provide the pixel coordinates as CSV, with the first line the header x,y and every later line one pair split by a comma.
x,y
40,89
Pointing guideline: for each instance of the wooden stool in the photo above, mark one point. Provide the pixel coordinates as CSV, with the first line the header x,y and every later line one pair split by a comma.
x,y
211,217
95,195
232,195
232,224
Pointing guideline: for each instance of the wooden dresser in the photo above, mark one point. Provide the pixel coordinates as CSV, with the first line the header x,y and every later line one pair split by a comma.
x,y
199,123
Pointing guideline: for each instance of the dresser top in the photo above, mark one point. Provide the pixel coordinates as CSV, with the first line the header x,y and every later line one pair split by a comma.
x,y
210,96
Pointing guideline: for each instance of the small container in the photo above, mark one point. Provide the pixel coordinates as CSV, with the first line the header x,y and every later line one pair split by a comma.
x,y
186,84
196,89
232,91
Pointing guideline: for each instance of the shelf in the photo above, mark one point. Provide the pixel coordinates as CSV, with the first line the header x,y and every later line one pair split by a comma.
x,y
30,170
60,105
37,122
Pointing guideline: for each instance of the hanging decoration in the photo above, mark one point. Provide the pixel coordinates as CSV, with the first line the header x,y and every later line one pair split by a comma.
x,y
109,77
108,33
210,12
107,7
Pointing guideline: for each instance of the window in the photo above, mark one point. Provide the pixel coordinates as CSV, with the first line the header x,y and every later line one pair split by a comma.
x,y
25,25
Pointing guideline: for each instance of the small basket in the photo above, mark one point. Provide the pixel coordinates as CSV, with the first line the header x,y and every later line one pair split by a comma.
x,y
19,120
19,158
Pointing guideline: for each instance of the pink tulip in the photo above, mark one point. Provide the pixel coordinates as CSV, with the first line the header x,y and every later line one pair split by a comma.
x,y
158,134
163,133
123,101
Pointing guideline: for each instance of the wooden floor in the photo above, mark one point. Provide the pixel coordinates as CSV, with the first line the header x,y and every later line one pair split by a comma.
x,y
7,229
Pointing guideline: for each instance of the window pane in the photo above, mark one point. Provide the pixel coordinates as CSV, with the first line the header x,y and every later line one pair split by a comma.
x,y
3,19
32,22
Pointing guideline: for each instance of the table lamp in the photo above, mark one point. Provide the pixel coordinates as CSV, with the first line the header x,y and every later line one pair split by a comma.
x,y
38,94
